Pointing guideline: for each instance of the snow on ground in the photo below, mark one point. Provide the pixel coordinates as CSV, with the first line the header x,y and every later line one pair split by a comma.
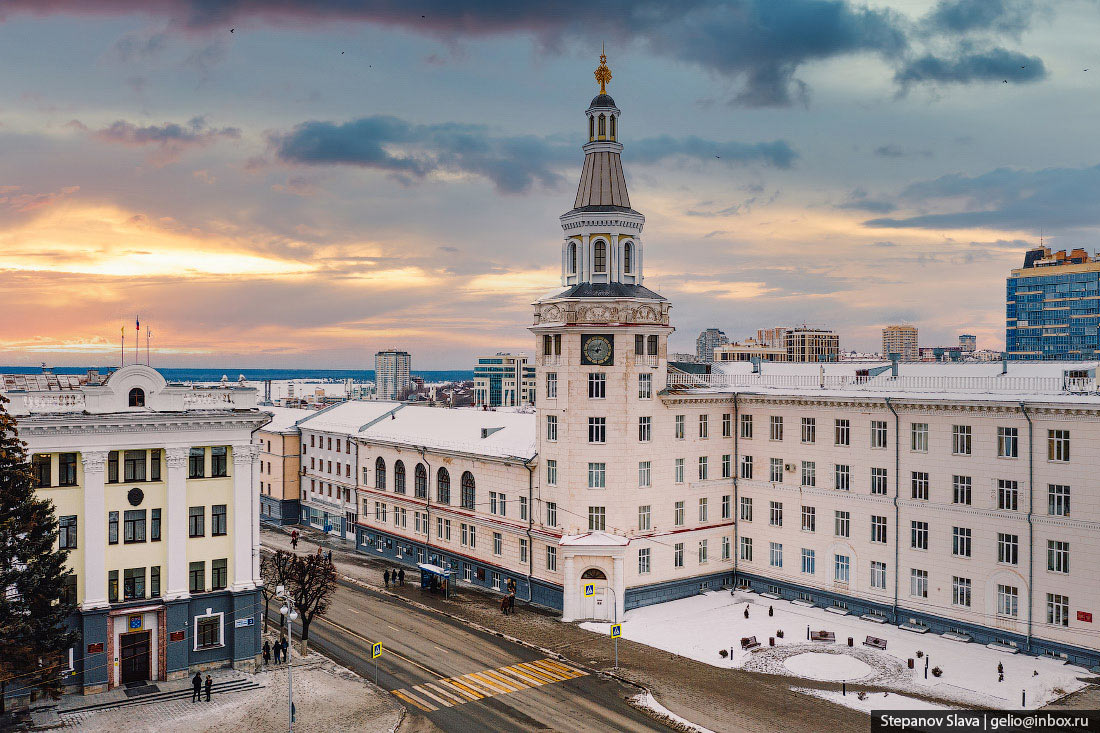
x,y
646,700
872,700
835,667
701,626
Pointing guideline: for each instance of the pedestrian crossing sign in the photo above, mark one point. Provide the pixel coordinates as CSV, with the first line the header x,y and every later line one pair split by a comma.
x,y
376,650
589,590
616,631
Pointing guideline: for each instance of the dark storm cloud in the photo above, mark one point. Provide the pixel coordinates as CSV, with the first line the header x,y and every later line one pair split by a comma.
x,y
513,164
965,16
969,66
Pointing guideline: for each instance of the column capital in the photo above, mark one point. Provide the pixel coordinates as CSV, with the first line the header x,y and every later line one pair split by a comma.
x,y
176,457
243,455
94,460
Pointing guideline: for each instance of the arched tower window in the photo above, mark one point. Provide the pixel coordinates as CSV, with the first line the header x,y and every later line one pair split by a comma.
x,y
137,397
420,482
573,258
399,477
380,474
599,257
628,257
613,119
469,498
443,486
591,127
603,125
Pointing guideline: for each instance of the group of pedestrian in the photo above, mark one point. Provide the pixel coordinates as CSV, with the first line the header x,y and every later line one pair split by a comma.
x,y
508,602
197,685
280,648
397,577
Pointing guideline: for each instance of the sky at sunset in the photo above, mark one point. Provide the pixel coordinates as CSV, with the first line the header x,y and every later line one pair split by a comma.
x,y
333,178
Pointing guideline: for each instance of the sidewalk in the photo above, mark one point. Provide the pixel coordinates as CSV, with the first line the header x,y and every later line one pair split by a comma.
x,y
721,700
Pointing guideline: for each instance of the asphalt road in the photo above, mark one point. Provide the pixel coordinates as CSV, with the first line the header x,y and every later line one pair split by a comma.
x,y
424,647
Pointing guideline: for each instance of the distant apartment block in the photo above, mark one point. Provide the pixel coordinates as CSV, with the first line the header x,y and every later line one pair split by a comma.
x,y
709,340
392,374
968,342
504,380
900,340
803,343
1052,306
749,350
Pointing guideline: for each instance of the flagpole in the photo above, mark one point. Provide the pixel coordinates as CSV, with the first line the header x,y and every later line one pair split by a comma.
x,y
123,346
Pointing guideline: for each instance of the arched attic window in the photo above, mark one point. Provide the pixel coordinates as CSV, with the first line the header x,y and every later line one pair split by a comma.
x,y
137,397
599,257
593,574
613,119
628,257
591,127
603,125
573,258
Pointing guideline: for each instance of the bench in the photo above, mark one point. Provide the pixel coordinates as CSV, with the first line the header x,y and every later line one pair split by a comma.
x,y
875,642
823,636
749,642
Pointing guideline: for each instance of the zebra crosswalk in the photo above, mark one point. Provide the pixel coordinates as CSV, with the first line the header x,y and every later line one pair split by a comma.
x,y
451,691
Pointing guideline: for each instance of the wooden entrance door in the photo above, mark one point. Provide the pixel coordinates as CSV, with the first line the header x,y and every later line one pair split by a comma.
x,y
134,656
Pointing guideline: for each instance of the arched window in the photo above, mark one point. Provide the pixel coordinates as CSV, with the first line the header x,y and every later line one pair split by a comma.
x,y
420,482
469,498
591,127
399,477
603,125
443,486
573,258
593,574
599,257
137,397
380,473
613,118
628,258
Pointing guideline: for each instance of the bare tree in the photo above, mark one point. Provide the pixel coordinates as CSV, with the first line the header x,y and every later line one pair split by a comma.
x,y
274,571
312,581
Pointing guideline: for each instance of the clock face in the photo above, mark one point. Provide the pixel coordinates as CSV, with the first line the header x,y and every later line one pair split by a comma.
x,y
598,349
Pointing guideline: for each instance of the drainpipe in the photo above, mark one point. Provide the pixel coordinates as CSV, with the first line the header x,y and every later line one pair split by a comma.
x,y
897,510
427,496
528,464
358,471
736,509
1030,525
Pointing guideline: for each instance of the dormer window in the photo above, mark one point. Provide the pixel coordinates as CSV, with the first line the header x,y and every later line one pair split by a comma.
x,y
599,257
628,254
137,397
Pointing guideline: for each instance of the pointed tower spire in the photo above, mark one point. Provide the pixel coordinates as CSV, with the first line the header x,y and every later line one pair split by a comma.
x,y
603,74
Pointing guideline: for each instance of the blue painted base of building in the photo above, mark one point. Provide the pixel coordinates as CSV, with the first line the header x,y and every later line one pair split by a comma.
x,y
1088,658
323,520
647,595
279,511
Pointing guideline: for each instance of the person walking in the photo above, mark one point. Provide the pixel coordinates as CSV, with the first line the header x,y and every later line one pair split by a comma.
x,y
209,684
196,687
286,651
267,652
278,651
329,555
504,605
401,575
294,540
386,577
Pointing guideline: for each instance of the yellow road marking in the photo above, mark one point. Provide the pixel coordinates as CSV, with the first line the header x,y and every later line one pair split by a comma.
x,y
421,690
493,684
504,680
388,651
531,679
550,670
409,699
454,697
537,672
467,688
474,683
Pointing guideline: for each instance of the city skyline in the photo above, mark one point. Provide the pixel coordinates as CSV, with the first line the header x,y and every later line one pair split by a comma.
x,y
321,184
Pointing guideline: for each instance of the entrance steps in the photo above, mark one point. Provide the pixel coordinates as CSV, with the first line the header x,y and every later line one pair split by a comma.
x,y
234,684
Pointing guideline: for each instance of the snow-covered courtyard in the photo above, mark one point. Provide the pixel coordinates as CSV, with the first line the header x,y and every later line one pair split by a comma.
x,y
703,626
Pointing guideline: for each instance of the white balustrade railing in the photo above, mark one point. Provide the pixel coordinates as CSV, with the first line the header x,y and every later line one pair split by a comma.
x,y
57,402
550,360
885,382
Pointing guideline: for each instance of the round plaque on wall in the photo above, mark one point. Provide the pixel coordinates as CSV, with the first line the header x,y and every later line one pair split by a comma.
x,y
135,496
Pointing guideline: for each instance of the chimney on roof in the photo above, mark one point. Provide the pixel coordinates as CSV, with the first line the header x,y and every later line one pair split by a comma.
x,y
755,364
894,364
1004,363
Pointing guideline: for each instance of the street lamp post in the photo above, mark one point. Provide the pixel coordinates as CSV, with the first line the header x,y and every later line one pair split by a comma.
x,y
289,614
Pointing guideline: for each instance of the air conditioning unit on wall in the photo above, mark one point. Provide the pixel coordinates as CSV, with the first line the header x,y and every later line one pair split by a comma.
x,y
789,466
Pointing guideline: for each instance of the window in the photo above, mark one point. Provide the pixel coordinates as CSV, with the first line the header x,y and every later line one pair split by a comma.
x,y
808,561
219,574
809,519
842,432
399,477
702,552
727,507
704,426
961,541
133,468
208,631
133,526
775,513
678,470
678,514
597,475
551,514
678,422
498,543
809,473
644,474
380,473
960,440
112,528
776,427
1057,556
420,482
551,384
1008,442
644,518
703,468
678,555
196,463
469,495
727,465
66,532
443,486
112,586
878,574
776,466
842,522
1058,445
551,472
573,245
599,251
523,508
66,469
218,525
136,398
196,577
597,385
643,561
918,535
1057,500
133,584
746,549
746,467
809,430
552,427
725,547
918,437
920,485
703,509
961,490
1008,600
523,549
597,429
597,518
775,554
645,429
746,508
841,568
219,465
1057,609
878,433
918,583
645,386
1008,494
154,581
878,481
878,528
746,426
727,425
1008,548
196,520
961,591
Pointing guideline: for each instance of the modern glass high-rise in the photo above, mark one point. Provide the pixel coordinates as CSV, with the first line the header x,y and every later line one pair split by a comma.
x,y
392,377
504,380
1052,306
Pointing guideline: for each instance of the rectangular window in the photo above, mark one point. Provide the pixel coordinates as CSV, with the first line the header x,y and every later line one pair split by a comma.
x,y
196,521
645,429
1058,445
154,525
597,518
727,465
133,468
918,437
746,467
842,477
644,518
678,423
218,524
918,583
66,469
551,384
725,547
878,481
776,424
809,430
809,519
1008,548
775,554
597,385
523,508
112,528
1057,500
523,550
209,632
112,586
597,429
727,425
678,514
920,485
961,541
551,514
551,558
809,473
66,532
643,561
678,555
842,565
878,574
439,528
678,471
154,581
746,508
551,427
746,427
464,530
196,463
746,549
727,507
776,470
133,584
775,513
498,544
878,528
40,465
961,490
842,432
1008,495
702,552
154,465
808,561
961,591
918,535
704,426
219,574
703,468
1057,556
1008,601
597,475
112,467
961,440
645,386
644,474
133,526
196,577
842,524
1008,442
551,472
703,509
878,433
1057,609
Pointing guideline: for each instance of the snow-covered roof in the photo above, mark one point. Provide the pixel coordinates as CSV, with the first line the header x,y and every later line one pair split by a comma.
x,y
594,539
284,418
349,417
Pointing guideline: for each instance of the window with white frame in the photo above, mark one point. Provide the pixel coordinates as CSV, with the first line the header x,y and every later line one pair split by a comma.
x,y
808,561
746,508
727,465
597,429
776,425
678,513
962,539
746,467
678,424
1008,601
551,384
552,427
643,561
746,426
878,481
1057,609
552,472
809,473
878,433
551,558
961,589
842,432
1008,495
809,519
776,472
920,485
523,549
645,429
1008,442
809,430
878,528
678,555
644,474
841,568
523,508
678,471
551,514
597,518
961,490
727,425
703,468
704,426
746,548
775,554
703,509
1008,548
918,583
961,437
645,518
597,385
597,475
1058,556
1058,445
498,543
842,477
209,630
725,547
878,574
645,386
918,535
842,523
727,507
702,552
918,437
1057,500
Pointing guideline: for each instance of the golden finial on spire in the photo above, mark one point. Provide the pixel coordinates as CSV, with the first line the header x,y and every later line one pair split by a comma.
x,y
603,74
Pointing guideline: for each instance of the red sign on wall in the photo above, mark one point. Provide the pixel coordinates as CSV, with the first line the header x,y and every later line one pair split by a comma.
x,y
96,648
176,636
1084,616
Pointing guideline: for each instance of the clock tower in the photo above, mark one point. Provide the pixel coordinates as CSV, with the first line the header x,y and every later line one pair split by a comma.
x,y
601,355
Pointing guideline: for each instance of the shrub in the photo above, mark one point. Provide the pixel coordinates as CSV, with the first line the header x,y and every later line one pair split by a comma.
x,y
919,654
723,653
779,633
936,671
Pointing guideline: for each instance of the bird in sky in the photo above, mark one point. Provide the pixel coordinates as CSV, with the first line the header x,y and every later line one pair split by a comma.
x,y
232,29
718,156
1006,81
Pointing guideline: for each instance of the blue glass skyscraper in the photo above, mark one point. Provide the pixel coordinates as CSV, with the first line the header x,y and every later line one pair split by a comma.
x,y
1053,306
